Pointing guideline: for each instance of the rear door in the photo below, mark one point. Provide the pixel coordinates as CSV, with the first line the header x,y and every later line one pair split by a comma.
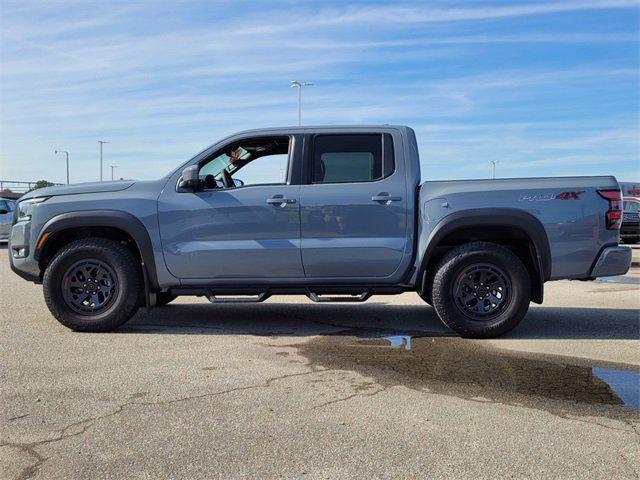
x,y
353,205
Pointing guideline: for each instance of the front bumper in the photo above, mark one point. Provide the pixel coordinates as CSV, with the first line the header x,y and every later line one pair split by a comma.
x,y
612,261
25,266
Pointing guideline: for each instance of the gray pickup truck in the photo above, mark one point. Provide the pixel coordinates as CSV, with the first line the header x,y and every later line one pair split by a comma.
x,y
334,213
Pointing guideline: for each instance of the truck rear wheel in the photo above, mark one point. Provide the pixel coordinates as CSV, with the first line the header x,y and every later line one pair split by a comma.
x,y
481,290
92,285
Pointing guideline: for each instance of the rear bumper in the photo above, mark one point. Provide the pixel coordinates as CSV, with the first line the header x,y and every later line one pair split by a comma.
x,y
630,229
612,261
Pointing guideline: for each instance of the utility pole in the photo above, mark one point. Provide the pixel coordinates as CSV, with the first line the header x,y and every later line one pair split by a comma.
x,y
101,142
67,154
493,169
299,85
113,167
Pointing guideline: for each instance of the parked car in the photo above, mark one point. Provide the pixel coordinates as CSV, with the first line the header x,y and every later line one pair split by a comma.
x,y
7,207
334,213
630,228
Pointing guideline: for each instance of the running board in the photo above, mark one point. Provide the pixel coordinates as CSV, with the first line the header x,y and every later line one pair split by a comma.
x,y
261,297
348,297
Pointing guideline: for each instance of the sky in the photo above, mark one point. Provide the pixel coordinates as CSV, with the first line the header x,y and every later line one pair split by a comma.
x,y
543,88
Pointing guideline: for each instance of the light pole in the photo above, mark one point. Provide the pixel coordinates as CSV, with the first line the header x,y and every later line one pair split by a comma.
x,y
67,154
299,85
113,167
101,142
493,169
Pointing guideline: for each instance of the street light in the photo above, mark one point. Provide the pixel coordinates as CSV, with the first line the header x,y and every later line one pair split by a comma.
x,y
299,85
67,154
101,142
113,167
493,169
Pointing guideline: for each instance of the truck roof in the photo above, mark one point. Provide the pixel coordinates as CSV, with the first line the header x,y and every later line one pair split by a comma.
x,y
306,128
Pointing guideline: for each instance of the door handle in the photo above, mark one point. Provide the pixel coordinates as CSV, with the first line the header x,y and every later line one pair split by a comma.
x,y
384,197
280,200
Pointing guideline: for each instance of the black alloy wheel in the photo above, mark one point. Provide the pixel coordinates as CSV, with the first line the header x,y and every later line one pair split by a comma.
x,y
482,291
89,286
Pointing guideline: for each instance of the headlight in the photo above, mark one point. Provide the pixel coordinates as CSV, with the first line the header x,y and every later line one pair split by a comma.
x,y
25,208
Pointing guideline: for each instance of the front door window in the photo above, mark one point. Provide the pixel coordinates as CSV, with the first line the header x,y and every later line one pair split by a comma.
x,y
253,161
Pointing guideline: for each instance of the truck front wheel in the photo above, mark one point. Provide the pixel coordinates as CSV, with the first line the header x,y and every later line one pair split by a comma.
x,y
481,290
92,285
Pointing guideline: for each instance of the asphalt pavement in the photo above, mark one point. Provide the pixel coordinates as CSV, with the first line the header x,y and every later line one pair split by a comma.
x,y
292,389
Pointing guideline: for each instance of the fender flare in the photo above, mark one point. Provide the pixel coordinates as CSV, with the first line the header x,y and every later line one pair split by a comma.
x,y
495,217
105,218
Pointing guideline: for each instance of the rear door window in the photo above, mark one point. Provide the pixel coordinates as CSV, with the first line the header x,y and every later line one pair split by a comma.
x,y
352,158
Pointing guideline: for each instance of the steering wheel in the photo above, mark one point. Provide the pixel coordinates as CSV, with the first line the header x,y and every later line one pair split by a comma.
x,y
227,181
210,182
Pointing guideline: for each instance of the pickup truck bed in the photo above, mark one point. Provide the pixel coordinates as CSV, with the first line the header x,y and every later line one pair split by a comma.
x,y
569,209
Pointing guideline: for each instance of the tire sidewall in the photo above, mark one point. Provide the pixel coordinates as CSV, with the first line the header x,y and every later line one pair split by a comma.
x,y
112,316
511,314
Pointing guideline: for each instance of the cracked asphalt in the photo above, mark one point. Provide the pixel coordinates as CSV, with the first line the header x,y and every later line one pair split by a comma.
x,y
291,389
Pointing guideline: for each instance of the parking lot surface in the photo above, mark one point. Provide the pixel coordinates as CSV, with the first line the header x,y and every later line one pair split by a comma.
x,y
292,389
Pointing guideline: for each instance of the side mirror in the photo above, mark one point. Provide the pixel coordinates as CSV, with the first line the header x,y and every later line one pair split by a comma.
x,y
190,179
3,211
237,182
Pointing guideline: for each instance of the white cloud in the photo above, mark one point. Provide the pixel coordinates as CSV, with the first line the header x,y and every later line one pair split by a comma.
x,y
161,86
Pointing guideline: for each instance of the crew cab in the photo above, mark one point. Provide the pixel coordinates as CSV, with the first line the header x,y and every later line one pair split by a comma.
x,y
334,213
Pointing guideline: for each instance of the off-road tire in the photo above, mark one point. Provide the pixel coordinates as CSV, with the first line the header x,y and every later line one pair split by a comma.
x,y
164,298
129,284
454,263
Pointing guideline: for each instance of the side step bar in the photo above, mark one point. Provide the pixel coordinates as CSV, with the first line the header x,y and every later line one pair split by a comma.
x,y
261,297
347,297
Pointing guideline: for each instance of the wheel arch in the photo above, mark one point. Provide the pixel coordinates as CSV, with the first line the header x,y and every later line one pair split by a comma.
x,y
87,223
507,226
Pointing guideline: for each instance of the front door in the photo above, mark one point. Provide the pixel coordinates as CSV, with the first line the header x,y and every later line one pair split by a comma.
x,y
353,206
244,223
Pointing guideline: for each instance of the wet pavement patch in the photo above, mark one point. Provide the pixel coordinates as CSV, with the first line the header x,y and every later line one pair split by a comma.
x,y
622,279
474,370
402,341
625,383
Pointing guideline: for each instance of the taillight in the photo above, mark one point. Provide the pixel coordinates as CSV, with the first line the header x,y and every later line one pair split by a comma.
x,y
614,214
